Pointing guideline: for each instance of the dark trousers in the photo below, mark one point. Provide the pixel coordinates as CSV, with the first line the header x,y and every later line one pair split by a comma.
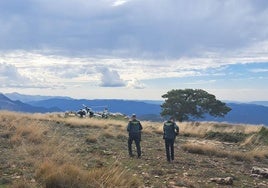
x,y
136,138
169,145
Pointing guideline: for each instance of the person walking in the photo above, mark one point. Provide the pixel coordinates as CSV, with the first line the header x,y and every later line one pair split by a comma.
x,y
134,128
171,130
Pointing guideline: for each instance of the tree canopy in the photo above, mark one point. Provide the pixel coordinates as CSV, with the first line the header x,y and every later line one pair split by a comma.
x,y
187,103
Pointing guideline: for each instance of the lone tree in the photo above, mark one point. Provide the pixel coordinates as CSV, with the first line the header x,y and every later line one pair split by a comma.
x,y
187,103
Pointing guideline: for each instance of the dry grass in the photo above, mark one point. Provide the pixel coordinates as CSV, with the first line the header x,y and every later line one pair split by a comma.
x,y
108,134
92,139
33,140
91,122
214,150
204,149
68,175
70,152
113,176
32,133
201,129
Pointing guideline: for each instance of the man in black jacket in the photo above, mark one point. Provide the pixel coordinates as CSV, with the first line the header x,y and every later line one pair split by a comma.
x,y
171,130
134,129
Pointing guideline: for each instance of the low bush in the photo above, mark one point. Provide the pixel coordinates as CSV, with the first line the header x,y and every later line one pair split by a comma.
x,y
211,150
91,139
226,137
259,138
263,135
203,150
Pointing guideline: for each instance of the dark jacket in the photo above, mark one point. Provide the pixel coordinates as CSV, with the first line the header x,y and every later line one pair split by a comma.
x,y
170,130
134,127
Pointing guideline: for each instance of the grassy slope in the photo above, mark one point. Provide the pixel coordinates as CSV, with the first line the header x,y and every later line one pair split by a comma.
x,y
48,150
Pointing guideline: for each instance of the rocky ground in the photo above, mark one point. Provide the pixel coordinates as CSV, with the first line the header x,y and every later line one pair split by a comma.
x,y
187,170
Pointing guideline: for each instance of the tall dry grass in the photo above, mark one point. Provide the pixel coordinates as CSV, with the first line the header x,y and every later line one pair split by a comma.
x,y
214,150
68,175
38,144
40,147
201,129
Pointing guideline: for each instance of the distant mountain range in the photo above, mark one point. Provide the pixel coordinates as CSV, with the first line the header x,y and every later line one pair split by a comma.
x,y
248,113
244,113
8,104
28,98
127,107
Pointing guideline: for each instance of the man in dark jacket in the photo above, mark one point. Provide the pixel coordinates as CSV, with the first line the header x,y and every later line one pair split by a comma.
x,y
134,130
171,130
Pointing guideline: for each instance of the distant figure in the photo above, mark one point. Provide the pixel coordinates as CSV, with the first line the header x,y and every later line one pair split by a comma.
x,y
87,109
171,130
81,112
134,129
105,113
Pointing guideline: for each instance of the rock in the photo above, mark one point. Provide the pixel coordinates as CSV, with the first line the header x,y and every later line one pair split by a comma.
x,y
255,176
259,172
33,181
145,175
222,181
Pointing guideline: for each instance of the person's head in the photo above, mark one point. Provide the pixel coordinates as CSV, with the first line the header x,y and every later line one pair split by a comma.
x,y
171,119
133,116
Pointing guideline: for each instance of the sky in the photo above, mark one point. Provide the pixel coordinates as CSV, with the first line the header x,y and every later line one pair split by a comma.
x,y
134,49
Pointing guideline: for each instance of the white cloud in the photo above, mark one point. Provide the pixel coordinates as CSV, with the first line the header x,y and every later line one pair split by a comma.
x,y
259,70
110,78
119,2
10,76
134,83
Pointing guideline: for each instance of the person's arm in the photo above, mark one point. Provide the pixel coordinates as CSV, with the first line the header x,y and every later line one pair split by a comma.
x,y
140,127
177,128
128,127
164,131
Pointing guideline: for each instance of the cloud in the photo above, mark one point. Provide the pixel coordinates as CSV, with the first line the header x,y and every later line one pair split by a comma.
x,y
134,83
9,76
138,29
70,71
259,70
119,2
110,78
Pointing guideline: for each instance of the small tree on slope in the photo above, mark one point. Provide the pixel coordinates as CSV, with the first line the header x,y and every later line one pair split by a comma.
x,y
183,104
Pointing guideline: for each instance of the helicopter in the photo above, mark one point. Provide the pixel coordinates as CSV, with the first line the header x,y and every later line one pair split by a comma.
x,y
88,112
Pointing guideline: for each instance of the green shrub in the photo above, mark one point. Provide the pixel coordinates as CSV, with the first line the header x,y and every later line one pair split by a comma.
x,y
226,137
263,135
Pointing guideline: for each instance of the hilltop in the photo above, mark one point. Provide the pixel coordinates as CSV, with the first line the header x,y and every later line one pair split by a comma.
x,y
48,150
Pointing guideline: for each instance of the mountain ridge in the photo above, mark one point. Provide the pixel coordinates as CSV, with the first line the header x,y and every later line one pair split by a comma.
x,y
18,106
247,113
